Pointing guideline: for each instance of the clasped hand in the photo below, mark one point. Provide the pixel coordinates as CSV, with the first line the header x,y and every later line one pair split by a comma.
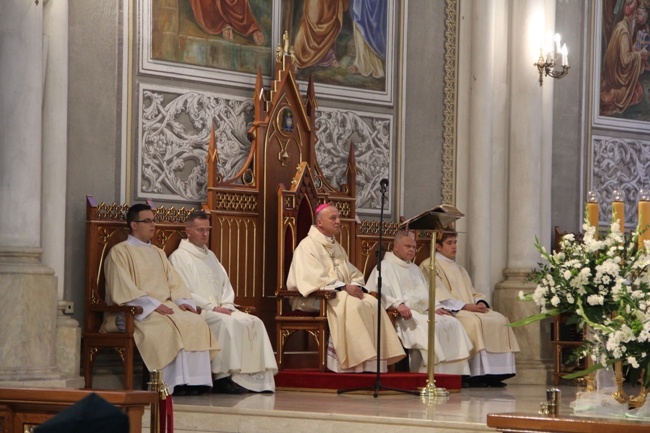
x,y
164,309
476,308
406,313
354,291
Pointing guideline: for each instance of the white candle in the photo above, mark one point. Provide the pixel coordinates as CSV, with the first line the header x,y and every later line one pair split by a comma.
x,y
557,43
565,55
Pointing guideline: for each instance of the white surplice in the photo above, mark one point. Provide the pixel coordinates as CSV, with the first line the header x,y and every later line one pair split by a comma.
x,y
246,355
403,283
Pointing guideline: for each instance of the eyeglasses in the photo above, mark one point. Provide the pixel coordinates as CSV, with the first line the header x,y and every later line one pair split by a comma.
x,y
146,221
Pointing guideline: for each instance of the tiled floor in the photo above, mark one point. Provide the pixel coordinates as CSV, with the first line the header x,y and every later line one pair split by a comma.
x,y
293,411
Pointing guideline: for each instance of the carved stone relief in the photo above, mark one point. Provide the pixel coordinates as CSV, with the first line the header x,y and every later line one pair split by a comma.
x,y
370,134
175,131
619,164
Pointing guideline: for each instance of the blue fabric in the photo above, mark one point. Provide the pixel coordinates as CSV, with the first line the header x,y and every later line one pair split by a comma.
x,y
371,18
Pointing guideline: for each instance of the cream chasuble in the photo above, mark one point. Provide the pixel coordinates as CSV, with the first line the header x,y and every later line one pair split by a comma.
x,y
402,282
134,272
246,353
488,331
320,263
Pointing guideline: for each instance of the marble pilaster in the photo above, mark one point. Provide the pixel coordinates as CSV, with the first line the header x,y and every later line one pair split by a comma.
x,y
55,146
529,185
27,287
486,143
55,156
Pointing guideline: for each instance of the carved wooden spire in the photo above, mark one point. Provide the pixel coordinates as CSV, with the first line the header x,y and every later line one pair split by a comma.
x,y
258,97
212,161
351,171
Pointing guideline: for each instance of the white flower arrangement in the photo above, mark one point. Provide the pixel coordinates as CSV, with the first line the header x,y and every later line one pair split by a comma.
x,y
605,284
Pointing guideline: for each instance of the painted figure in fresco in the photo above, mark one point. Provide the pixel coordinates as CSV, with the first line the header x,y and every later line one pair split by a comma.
x,y
642,30
622,64
319,27
369,19
225,16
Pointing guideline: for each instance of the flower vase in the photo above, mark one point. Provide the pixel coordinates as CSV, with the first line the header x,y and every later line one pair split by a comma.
x,y
590,382
636,401
620,395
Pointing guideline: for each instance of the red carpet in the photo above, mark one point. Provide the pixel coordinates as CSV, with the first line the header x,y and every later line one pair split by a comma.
x,y
310,379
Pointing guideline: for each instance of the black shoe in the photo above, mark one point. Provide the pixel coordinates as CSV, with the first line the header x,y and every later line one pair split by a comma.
x,y
496,380
227,386
476,382
202,389
180,390
197,389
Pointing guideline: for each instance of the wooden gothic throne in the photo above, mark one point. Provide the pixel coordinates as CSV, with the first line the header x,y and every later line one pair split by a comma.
x,y
246,215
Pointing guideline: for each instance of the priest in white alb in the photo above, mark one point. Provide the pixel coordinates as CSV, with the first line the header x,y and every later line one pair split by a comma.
x,y
494,344
246,361
320,263
169,334
405,289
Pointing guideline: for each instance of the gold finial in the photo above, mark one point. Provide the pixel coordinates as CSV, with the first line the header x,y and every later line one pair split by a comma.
x,y
284,49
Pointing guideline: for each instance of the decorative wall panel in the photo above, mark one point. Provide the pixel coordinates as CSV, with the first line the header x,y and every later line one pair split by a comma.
x,y
175,126
619,164
371,136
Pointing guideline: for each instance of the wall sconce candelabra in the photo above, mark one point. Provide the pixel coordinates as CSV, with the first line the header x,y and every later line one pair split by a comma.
x,y
546,65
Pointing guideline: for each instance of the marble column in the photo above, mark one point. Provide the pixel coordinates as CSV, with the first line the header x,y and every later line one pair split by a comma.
x,y
27,287
55,156
529,182
487,144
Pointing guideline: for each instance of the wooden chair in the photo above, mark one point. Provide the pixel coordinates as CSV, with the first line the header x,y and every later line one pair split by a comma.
x,y
106,227
296,209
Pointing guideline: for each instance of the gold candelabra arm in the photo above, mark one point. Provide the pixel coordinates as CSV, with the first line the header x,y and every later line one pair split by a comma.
x,y
554,73
546,68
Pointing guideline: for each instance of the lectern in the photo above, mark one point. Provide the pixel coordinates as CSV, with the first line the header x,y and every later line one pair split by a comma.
x,y
436,220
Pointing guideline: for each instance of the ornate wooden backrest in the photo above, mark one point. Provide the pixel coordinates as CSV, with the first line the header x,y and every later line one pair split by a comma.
x,y
106,227
247,230
296,209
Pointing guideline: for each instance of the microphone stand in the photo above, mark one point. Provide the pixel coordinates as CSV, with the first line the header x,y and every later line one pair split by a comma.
x,y
383,187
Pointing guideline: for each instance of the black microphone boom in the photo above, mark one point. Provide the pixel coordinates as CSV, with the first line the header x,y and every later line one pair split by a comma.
x,y
383,183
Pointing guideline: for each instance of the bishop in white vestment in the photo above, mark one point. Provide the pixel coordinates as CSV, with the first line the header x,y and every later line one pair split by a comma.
x,y
246,356
320,263
405,289
494,342
169,333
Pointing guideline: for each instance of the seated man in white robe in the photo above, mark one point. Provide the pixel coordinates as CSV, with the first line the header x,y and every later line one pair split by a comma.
x,y
169,334
320,263
494,344
405,289
246,361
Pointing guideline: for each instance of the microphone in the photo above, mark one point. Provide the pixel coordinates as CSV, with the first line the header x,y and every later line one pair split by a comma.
x,y
383,183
